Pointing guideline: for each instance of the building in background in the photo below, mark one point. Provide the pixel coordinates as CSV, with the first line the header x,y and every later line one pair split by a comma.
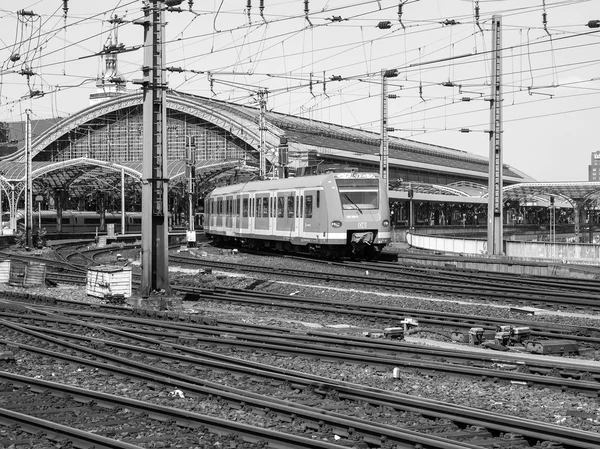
x,y
594,167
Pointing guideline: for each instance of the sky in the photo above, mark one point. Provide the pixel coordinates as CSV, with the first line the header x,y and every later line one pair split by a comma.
x,y
323,59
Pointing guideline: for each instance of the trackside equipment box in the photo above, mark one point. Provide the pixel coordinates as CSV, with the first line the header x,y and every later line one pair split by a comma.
x,y
30,274
108,280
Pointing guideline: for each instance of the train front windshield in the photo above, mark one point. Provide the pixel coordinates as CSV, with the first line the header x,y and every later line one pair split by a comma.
x,y
358,194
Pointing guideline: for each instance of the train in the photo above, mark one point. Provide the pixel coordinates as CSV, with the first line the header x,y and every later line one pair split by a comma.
x,y
86,222
330,215
75,222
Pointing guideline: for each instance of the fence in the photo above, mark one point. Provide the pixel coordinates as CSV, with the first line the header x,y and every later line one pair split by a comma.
x,y
581,253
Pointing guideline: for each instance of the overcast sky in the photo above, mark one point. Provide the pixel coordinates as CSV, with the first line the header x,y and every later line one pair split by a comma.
x,y
550,72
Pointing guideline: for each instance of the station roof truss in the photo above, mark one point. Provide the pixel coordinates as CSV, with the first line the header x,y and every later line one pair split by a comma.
x,y
241,122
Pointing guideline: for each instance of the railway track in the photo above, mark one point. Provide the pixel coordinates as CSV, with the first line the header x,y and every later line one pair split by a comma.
x,y
385,354
439,286
384,316
158,366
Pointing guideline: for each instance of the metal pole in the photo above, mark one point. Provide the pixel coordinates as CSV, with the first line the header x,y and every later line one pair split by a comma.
x,y
1,213
262,94
495,202
191,175
28,185
155,236
384,147
123,221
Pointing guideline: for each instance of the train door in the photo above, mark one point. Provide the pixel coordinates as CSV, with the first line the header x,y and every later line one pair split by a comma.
x,y
236,213
219,205
286,213
298,226
273,212
244,217
313,212
251,212
228,212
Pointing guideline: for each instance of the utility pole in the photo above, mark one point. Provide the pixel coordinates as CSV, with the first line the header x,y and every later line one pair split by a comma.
x,y
384,149
262,127
190,171
495,201
28,184
155,178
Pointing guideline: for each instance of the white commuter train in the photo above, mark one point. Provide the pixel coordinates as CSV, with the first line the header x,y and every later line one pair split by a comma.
x,y
331,215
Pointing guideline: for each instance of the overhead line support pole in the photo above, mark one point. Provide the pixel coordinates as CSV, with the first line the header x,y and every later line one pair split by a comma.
x,y
495,183
28,184
155,178
262,127
384,147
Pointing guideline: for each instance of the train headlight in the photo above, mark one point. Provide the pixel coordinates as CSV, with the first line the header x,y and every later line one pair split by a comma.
x,y
336,224
385,223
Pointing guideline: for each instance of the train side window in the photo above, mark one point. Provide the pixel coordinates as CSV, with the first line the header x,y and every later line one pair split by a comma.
x,y
272,203
258,207
301,205
297,206
280,207
265,207
290,206
308,206
237,206
245,207
318,199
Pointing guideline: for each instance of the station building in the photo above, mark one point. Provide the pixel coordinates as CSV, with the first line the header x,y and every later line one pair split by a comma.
x,y
87,160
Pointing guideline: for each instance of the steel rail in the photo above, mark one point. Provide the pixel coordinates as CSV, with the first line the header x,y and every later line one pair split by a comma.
x,y
192,384
58,432
385,350
431,286
183,418
531,430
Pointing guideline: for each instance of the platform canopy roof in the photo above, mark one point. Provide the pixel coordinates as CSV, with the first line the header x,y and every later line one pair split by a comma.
x,y
571,192
565,194
92,174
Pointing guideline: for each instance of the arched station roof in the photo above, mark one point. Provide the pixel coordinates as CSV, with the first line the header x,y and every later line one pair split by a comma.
x,y
325,140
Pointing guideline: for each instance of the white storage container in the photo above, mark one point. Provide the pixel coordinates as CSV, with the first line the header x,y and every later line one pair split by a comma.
x,y
106,280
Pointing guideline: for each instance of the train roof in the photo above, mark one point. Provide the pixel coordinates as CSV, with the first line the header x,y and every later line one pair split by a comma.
x,y
290,183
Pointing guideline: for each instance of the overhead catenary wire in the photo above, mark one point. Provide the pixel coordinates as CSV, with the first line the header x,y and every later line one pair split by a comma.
x,y
362,74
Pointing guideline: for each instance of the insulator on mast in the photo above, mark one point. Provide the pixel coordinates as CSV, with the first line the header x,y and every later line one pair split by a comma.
x,y
477,16
400,5
306,11
545,17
